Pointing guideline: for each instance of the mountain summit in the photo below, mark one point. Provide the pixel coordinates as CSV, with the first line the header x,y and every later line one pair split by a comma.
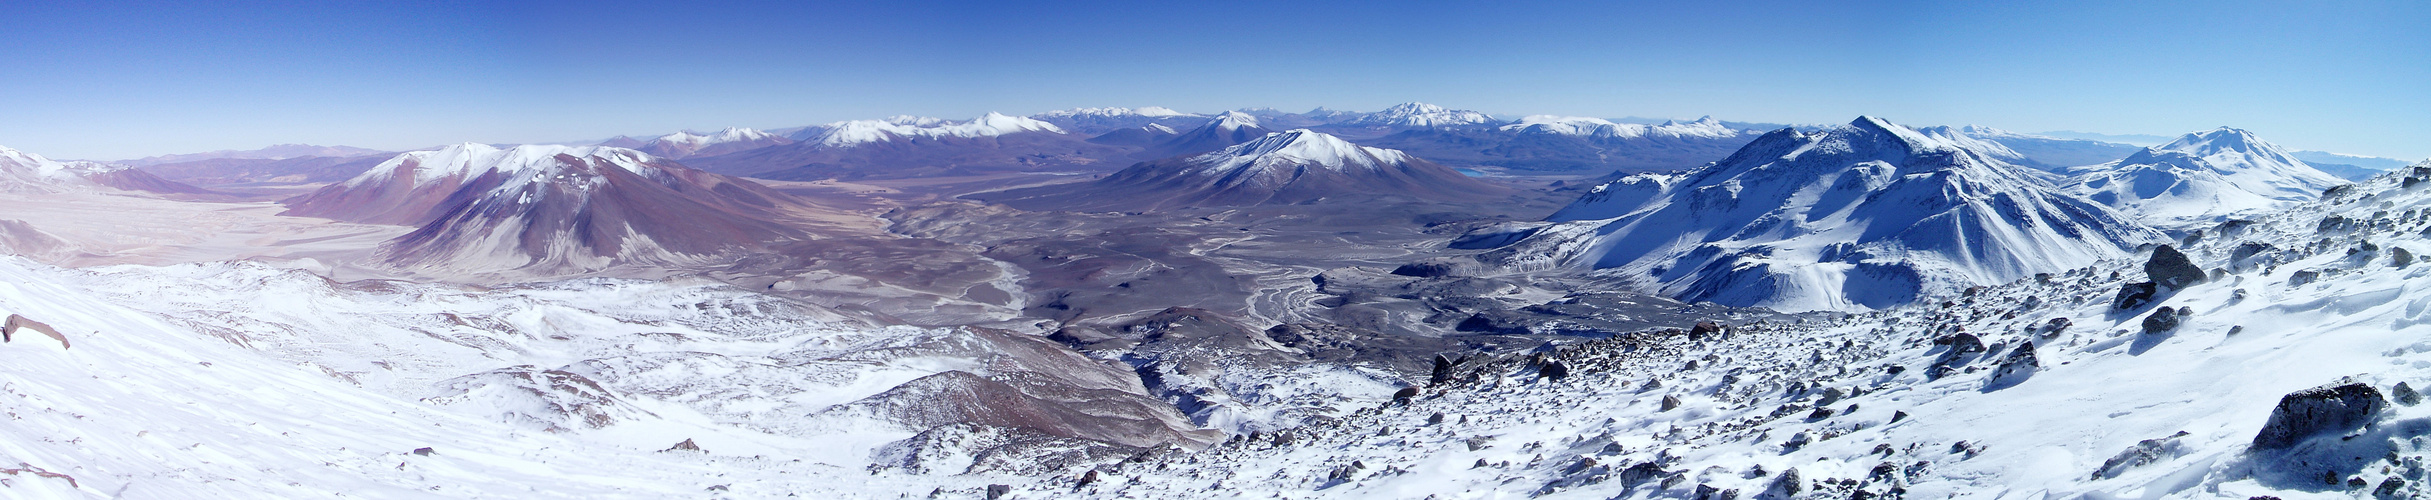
x,y
552,208
1296,166
1419,115
1868,215
2201,177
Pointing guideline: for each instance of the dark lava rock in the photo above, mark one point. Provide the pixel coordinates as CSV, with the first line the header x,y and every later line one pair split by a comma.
x,y
2019,365
1788,485
2400,258
2161,320
2171,268
1443,368
1704,329
2134,295
2247,251
1670,402
1406,393
426,451
687,445
996,491
1641,473
1554,370
2328,408
2405,395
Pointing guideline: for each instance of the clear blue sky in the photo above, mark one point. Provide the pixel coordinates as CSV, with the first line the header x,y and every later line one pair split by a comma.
x,y
122,80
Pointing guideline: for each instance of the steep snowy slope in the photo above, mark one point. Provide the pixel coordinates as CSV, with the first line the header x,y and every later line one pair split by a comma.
x,y
1298,166
2201,178
1870,215
553,208
22,172
2294,376
688,144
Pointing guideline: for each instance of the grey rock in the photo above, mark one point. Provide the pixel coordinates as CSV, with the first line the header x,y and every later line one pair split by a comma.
x,y
2134,296
2405,395
2161,320
2329,408
2146,452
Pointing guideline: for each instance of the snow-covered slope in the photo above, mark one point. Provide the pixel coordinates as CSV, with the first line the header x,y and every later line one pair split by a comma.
x,y
550,208
239,380
2044,153
22,172
1705,127
1418,115
2036,388
1870,215
688,144
2202,177
1297,166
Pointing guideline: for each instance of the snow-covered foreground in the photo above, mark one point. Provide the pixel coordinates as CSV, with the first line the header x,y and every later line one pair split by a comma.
x,y
239,380
1897,403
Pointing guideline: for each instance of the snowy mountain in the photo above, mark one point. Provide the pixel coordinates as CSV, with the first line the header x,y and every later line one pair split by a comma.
x,y
2201,178
276,152
2346,166
1705,127
1232,127
1867,216
549,208
1549,143
1102,120
905,146
1297,166
28,173
903,128
687,144
1417,115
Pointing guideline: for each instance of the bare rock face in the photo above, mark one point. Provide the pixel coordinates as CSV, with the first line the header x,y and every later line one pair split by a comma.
x,y
2170,268
2329,408
18,323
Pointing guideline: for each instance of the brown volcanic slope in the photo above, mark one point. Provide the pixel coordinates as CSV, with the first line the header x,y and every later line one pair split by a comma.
x,y
555,208
1282,168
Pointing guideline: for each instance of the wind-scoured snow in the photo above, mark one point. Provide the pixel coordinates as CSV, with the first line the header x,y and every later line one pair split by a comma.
x,y
1706,127
2202,177
857,132
1869,215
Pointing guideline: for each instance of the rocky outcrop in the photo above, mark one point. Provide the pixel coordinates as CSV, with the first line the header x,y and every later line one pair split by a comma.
x,y
18,323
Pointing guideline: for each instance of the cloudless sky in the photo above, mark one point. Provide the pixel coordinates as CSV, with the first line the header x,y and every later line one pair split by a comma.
x,y
118,80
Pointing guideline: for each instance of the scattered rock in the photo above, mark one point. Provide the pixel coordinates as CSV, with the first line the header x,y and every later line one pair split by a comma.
x,y
1788,485
1704,329
1553,370
2161,320
2017,367
424,451
687,445
2405,395
1085,479
996,491
2302,278
1670,402
1830,395
2146,452
1405,393
2389,487
2400,258
1897,416
2330,408
2134,296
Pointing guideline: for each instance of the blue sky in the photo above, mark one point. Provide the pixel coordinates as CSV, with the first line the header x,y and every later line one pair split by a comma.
x,y
121,80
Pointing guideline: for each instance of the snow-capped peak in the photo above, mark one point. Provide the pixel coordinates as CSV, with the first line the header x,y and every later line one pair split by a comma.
x,y
1418,114
2227,141
19,163
2202,176
731,134
526,163
1301,147
856,132
1146,112
1234,120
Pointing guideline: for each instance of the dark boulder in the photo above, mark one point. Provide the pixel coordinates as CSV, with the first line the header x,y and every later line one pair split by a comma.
x,y
2161,320
1670,402
2329,408
996,491
1785,486
1554,370
2302,278
1703,330
2405,394
2171,268
2017,367
1641,473
2135,296
1405,393
2400,258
